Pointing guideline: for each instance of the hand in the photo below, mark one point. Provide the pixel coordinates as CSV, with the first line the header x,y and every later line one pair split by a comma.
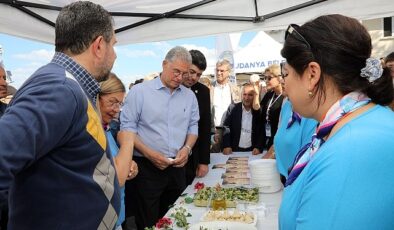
x,y
181,157
270,153
201,170
160,161
256,151
216,138
133,170
227,151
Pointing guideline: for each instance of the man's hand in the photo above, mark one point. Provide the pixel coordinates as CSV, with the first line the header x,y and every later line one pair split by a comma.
x,y
160,161
227,151
201,170
256,151
133,170
181,157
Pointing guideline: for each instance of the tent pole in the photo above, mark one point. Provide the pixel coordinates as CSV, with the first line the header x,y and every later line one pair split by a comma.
x,y
164,15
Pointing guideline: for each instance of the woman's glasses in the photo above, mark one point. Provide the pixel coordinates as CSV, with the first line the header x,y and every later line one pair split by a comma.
x,y
291,30
112,104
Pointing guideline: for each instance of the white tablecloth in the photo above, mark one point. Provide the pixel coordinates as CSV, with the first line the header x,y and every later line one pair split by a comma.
x,y
267,218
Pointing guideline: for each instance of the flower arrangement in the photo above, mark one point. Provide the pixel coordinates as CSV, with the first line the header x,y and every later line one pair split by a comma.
x,y
179,215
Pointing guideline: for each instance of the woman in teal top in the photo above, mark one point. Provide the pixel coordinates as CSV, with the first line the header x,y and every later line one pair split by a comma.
x,y
293,132
110,100
343,178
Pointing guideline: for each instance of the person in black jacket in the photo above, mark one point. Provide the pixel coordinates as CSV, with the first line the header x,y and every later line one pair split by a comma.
x,y
199,160
271,104
242,125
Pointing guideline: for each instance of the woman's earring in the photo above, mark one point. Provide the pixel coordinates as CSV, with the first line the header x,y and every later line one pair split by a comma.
x,y
310,94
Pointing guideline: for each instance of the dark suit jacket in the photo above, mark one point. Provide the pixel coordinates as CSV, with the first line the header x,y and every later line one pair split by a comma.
x,y
273,116
233,123
201,150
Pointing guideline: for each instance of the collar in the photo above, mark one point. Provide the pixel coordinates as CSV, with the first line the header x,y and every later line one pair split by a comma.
x,y
244,109
159,84
85,79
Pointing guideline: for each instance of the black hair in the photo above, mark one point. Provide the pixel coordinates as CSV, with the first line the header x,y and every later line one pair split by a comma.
x,y
341,46
198,59
389,57
79,24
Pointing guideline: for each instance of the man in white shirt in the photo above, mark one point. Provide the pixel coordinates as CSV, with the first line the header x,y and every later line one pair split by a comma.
x,y
223,93
242,125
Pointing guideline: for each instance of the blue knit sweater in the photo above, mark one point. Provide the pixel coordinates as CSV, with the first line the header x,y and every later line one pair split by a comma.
x,y
54,159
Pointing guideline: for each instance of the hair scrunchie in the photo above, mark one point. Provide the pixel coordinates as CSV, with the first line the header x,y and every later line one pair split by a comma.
x,y
373,69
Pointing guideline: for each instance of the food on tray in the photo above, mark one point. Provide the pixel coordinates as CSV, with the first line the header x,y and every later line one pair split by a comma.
x,y
236,181
235,175
235,216
239,158
237,169
240,194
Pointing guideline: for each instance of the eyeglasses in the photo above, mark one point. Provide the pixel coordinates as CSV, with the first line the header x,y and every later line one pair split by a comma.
x,y
113,104
178,73
283,71
221,70
291,30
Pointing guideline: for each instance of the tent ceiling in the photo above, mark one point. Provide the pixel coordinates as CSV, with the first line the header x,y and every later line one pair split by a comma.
x,y
158,20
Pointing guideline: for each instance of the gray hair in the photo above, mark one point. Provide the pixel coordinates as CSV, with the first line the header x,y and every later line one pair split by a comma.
x,y
179,53
225,62
79,24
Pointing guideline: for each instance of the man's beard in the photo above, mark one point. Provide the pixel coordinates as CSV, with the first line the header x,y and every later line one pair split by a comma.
x,y
104,73
103,76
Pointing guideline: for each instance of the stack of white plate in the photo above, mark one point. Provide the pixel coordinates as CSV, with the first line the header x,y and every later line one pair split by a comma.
x,y
264,175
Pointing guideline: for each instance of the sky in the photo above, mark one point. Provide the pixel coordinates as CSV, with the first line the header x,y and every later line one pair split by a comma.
x,y
22,56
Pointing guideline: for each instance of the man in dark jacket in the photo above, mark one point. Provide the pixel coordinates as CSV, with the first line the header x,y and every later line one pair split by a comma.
x,y
242,125
198,162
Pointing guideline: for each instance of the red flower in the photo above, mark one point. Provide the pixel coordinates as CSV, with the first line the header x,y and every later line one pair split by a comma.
x,y
163,223
199,185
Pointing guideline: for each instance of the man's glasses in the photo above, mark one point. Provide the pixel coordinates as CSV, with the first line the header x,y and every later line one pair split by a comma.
x,y
221,70
178,73
292,30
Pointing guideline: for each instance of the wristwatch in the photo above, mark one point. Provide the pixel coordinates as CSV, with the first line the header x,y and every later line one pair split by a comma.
x,y
188,148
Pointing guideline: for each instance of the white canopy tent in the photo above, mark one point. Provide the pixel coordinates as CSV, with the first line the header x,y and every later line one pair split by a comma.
x,y
157,20
260,53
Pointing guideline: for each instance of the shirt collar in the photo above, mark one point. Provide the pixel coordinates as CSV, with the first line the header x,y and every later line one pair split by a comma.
x,y
244,109
86,80
159,84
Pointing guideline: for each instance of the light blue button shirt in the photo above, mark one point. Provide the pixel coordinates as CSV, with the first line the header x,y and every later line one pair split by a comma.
x,y
162,120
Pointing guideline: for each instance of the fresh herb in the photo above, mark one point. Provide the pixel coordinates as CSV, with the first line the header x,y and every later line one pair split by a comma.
x,y
180,215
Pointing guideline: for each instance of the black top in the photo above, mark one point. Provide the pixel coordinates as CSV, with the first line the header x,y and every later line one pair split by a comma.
x,y
201,149
233,123
273,116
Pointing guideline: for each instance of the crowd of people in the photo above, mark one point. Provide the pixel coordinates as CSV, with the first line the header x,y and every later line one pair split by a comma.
x,y
78,153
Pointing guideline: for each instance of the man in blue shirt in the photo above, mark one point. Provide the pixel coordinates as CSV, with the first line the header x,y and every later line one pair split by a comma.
x,y
164,115
54,159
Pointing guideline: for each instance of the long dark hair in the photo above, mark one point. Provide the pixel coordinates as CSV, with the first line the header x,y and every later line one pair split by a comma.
x,y
341,45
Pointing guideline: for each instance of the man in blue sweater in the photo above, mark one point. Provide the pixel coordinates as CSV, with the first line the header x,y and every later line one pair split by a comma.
x,y
54,160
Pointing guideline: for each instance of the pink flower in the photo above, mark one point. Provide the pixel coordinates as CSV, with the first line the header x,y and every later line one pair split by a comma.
x,y
164,222
199,185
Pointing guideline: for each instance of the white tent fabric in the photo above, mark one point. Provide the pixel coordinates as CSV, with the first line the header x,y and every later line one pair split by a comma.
x,y
260,53
15,21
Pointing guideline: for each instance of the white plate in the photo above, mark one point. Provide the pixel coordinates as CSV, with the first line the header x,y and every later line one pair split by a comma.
x,y
222,225
230,212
